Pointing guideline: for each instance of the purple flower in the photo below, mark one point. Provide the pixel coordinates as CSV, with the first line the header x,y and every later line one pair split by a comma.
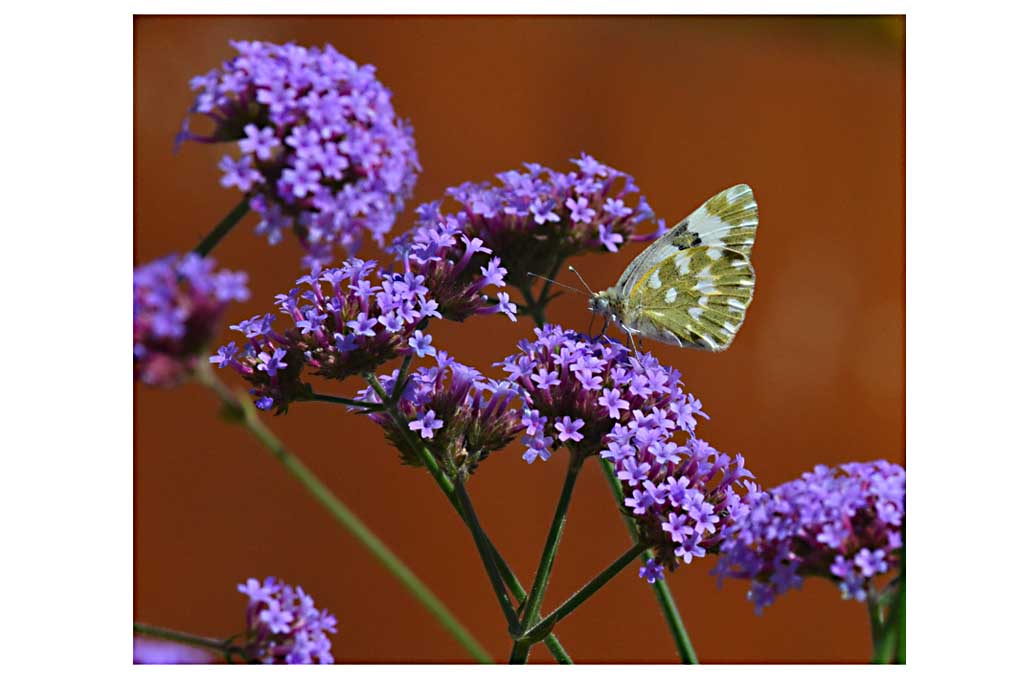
x,y
843,523
322,152
579,210
534,218
569,430
259,143
426,424
537,447
463,417
422,345
612,401
278,620
344,322
283,625
151,651
651,571
178,302
609,239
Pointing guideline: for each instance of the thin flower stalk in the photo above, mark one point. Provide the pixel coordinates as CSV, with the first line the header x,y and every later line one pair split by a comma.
x,y
242,410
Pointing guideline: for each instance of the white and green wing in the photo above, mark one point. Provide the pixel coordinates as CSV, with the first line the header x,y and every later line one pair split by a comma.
x,y
693,285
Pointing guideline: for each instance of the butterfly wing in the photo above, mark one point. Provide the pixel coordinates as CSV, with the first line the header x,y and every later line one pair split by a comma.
x,y
729,219
693,285
696,298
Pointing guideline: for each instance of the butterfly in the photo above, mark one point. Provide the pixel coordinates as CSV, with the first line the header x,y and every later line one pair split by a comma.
x,y
693,285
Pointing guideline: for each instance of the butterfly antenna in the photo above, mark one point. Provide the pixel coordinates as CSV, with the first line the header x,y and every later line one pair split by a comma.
x,y
583,282
546,278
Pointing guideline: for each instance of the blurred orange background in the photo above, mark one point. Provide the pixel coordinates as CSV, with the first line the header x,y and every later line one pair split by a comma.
x,y
807,110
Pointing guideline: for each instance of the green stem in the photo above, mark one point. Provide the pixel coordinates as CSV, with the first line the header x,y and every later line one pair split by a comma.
x,y
667,605
248,417
543,627
875,616
221,646
543,297
519,653
354,403
537,312
485,550
891,646
447,487
206,245
426,457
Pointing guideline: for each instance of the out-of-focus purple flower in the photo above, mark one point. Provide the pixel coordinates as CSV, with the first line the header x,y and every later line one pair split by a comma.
x,y
843,524
153,651
534,218
283,625
461,416
178,302
344,321
322,152
455,267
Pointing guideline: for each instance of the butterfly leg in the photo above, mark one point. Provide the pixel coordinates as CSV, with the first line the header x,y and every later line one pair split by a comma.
x,y
630,336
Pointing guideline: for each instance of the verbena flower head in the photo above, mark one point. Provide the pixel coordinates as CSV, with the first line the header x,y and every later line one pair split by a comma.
x,y
153,651
461,416
533,218
681,496
595,397
178,302
844,524
457,269
339,322
321,151
283,625
576,389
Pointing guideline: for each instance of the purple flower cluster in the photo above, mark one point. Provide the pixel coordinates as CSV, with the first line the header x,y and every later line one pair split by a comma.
x,y
283,625
353,326
461,416
844,524
540,216
178,302
457,268
575,389
593,396
322,152
681,497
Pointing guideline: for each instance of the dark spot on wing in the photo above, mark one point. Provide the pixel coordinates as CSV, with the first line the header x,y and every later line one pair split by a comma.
x,y
683,238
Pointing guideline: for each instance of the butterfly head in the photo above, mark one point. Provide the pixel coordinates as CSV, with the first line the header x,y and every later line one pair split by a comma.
x,y
608,303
